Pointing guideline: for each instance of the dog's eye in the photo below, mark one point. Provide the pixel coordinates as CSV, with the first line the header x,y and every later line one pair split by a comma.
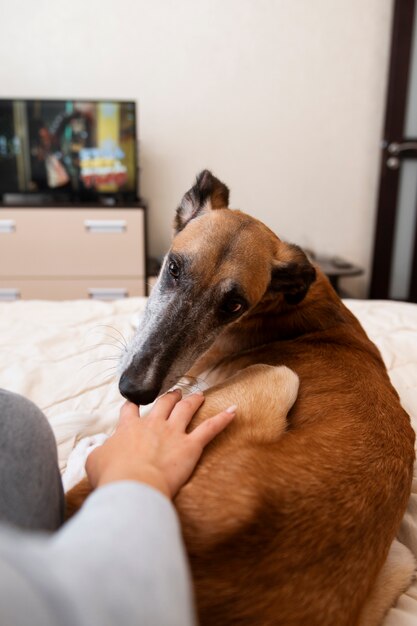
x,y
232,307
173,269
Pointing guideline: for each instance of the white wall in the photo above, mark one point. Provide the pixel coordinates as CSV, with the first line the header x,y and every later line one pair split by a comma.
x,y
282,99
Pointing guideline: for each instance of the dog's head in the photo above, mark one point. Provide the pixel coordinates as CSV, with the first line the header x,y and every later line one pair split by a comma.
x,y
221,265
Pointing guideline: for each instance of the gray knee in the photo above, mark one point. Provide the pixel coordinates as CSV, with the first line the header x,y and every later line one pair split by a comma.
x,y
21,419
31,490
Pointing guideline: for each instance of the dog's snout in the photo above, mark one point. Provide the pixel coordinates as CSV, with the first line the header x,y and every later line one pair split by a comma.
x,y
134,393
128,389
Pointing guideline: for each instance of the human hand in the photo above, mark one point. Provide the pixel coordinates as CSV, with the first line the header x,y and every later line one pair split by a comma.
x,y
155,449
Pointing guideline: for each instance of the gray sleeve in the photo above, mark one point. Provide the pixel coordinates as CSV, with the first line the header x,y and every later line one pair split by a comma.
x,y
119,562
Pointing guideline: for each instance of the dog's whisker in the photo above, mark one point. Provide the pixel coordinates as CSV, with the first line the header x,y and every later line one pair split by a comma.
x,y
120,345
109,376
112,345
119,333
108,358
98,345
100,333
116,341
123,339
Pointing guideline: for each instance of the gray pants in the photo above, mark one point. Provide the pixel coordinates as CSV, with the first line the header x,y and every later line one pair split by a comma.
x,y
31,493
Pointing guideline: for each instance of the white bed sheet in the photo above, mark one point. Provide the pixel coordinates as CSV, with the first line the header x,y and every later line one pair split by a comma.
x,y
61,355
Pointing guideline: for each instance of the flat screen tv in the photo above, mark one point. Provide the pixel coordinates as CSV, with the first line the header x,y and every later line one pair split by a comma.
x,y
68,150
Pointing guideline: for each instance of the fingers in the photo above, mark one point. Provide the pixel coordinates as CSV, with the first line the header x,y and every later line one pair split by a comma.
x,y
205,432
128,412
185,410
164,405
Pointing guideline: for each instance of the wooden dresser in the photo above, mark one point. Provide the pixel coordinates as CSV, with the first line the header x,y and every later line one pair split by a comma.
x,y
58,253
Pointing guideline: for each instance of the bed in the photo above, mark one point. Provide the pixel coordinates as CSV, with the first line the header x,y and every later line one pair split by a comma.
x,y
63,356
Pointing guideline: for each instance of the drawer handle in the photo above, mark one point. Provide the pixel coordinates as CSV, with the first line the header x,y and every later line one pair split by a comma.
x,y
9,294
7,226
107,293
105,226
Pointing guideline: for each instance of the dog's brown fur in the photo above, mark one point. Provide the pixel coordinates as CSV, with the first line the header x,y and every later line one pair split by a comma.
x,y
290,528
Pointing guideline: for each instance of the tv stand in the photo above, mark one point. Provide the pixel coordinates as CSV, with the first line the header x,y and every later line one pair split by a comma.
x,y
60,252
65,200
32,200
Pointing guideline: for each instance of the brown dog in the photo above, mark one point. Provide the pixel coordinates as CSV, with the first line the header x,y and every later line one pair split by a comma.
x,y
284,523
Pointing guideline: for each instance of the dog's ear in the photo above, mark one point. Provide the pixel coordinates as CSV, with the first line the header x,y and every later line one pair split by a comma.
x,y
292,273
208,193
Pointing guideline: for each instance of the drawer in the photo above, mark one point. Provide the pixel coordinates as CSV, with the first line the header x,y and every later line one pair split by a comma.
x,y
67,289
72,242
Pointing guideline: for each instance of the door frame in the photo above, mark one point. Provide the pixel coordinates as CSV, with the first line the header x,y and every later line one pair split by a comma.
x,y
398,80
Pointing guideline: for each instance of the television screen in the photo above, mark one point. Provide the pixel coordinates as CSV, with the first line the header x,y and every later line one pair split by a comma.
x,y
73,148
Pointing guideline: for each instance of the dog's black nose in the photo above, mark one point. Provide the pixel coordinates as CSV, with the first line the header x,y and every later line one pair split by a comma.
x,y
134,393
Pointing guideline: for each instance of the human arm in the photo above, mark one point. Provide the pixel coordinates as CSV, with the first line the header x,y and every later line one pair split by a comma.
x,y
121,559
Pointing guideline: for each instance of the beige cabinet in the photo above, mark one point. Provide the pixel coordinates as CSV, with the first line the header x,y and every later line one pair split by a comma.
x,y
66,253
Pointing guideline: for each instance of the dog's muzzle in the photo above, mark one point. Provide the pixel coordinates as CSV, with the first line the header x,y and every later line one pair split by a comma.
x,y
135,394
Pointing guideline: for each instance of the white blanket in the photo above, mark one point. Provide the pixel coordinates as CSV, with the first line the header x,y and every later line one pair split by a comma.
x,y
63,356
